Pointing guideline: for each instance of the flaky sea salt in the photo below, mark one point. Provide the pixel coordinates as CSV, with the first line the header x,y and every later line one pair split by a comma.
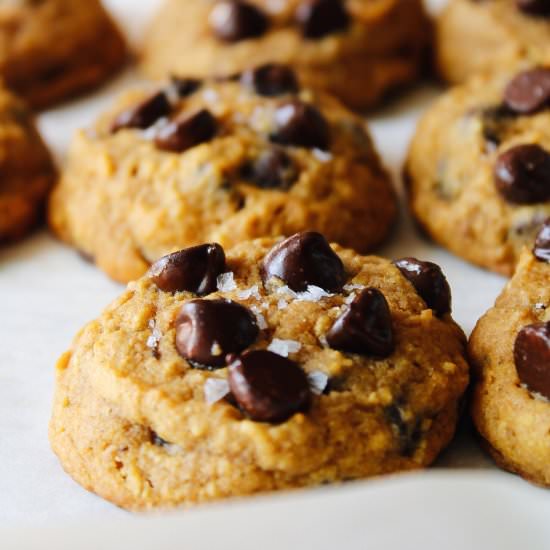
x,y
350,298
318,382
539,306
284,347
353,286
282,304
323,156
215,389
311,294
154,338
249,293
226,282
260,319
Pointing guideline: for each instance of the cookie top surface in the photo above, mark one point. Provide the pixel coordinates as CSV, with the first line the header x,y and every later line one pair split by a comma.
x,y
480,162
220,161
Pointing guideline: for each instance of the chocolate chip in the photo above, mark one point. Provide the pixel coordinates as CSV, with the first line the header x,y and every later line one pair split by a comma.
x,y
541,249
529,91
235,20
429,281
273,169
301,124
304,259
157,440
271,80
532,357
494,123
144,114
268,387
187,131
408,433
522,174
319,18
184,87
534,7
365,327
207,330
193,269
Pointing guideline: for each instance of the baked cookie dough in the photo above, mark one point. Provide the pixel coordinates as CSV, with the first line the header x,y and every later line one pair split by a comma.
x,y
476,37
52,49
356,50
220,161
278,364
510,352
478,170
26,169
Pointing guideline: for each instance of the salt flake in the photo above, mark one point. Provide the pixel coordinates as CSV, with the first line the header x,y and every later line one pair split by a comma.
x,y
249,293
226,282
323,156
215,389
260,319
318,382
284,347
313,294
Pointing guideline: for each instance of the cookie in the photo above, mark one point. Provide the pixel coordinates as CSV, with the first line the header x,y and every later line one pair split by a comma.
x,y
276,364
492,36
478,170
510,352
220,161
358,51
26,168
53,49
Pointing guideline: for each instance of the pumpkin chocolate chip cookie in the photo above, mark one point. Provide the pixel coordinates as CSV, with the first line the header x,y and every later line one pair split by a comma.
x,y
476,37
510,351
356,50
52,49
277,364
479,167
26,168
220,161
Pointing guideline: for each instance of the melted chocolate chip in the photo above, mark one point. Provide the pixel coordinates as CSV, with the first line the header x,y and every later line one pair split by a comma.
x,y
144,114
532,357
319,18
234,20
534,7
522,174
193,269
271,80
365,327
273,169
541,249
268,387
429,281
207,330
529,91
305,259
301,124
184,87
187,131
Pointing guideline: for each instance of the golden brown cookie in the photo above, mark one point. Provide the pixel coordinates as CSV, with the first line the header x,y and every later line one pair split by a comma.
x,y
510,352
26,169
220,161
492,36
52,49
282,364
479,167
356,50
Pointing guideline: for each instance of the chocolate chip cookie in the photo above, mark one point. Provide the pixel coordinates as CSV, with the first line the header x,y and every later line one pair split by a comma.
x,y
52,49
479,167
510,351
492,36
356,50
276,364
254,156
26,169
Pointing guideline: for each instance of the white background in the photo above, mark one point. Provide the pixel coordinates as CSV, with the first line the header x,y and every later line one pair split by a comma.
x,y
47,293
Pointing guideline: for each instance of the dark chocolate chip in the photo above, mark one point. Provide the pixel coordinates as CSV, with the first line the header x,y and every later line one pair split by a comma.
x,y
301,124
529,91
319,18
532,357
144,114
234,20
408,433
193,269
268,387
271,80
184,87
429,281
207,330
305,259
273,169
157,440
365,327
522,174
541,249
187,131
534,7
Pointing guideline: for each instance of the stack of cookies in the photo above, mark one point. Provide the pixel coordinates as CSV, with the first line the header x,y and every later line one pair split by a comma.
x,y
257,345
